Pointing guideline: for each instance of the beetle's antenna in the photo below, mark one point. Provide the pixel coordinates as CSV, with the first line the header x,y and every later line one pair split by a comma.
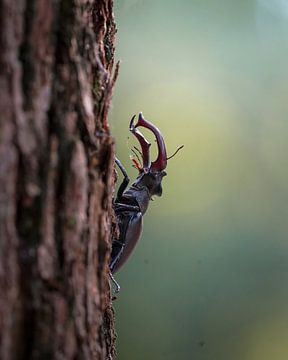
x,y
178,149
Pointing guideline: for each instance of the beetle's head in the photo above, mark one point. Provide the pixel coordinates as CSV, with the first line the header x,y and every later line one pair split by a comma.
x,y
150,173
152,181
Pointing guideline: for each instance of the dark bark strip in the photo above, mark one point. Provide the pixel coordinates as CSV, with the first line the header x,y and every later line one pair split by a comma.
x,y
56,178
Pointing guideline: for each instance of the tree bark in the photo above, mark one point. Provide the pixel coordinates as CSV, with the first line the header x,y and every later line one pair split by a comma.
x,y
56,179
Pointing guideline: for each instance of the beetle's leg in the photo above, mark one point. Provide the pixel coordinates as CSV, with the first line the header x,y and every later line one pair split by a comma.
x,y
125,181
125,207
117,250
117,286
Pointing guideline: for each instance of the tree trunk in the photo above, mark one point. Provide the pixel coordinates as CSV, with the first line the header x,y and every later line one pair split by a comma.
x,y
56,179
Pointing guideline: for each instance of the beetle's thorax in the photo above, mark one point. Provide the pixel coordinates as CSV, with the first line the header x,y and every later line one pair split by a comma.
x,y
141,195
145,187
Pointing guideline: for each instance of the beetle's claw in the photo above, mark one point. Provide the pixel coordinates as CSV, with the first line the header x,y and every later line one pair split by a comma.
x,y
117,286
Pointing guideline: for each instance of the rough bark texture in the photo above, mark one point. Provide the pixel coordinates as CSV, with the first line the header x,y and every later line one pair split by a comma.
x,y
56,179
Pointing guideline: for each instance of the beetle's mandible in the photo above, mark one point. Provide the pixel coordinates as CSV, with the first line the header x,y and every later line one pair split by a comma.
x,y
130,205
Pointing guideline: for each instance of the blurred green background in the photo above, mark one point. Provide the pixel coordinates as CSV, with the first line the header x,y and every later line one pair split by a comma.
x,y
209,277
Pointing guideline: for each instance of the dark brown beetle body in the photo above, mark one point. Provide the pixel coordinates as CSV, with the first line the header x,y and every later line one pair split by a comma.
x,y
131,205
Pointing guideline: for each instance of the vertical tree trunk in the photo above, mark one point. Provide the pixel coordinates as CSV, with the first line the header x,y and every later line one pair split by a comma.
x,y
56,178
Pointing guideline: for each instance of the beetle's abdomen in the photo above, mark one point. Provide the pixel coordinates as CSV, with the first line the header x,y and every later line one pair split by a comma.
x,y
130,227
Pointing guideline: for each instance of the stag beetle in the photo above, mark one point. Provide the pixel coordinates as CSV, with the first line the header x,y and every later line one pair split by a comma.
x,y
131,205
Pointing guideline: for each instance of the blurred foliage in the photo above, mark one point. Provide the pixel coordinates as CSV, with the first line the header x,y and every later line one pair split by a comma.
x,y
208,280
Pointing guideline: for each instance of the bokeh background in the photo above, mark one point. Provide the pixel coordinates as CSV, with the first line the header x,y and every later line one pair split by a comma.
x,y
208,280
